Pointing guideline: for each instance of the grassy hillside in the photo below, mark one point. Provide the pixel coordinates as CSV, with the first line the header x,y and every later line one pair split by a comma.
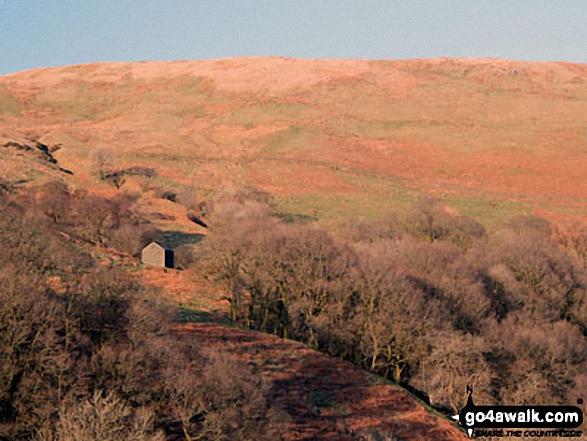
x,y
329,138
150,144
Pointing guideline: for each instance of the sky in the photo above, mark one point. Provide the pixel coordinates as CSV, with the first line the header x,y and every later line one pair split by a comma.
x,y
41,33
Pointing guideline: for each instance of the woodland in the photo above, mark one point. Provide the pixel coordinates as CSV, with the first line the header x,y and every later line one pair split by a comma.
x,y
428,299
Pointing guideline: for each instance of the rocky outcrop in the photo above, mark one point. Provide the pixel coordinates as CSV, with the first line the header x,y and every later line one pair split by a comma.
x,y
39,150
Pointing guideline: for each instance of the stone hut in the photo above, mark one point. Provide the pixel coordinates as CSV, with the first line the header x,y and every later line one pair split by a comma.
x,y
157,254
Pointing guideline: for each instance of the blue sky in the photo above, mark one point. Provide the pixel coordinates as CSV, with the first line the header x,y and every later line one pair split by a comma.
x,y
37,33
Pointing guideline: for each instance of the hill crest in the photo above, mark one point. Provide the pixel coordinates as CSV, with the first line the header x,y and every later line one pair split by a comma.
x,y
476,133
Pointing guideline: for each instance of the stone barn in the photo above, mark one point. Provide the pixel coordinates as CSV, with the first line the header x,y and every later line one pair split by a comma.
x,y
157,254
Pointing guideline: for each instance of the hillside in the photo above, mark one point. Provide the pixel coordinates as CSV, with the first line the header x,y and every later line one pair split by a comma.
x,y
328,138
327,399
92,341
435,298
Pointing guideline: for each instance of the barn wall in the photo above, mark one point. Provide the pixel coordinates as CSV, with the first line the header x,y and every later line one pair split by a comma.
x,y
153,255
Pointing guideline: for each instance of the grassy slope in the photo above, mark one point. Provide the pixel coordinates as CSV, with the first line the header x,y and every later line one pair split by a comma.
x,y
330,137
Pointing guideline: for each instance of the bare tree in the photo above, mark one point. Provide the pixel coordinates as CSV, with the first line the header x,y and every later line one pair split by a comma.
x,y
107,163
432,220
456,362
225,401
104,417
53,200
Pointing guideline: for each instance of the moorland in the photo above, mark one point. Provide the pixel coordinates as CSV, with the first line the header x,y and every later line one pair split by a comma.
x,y
356,243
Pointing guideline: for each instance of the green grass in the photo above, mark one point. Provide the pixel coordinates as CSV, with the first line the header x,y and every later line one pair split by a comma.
x,y
376,196
196,111
571,211
189,86
76,100
89,101
388,190
492,212
381,195
270,112
332,207
9,105
367,128
27,169
295,138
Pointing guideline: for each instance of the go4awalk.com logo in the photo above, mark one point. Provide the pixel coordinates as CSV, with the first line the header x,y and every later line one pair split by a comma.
x,y
518,421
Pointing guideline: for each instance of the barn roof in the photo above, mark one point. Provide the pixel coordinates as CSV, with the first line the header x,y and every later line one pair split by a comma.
x,y
162,245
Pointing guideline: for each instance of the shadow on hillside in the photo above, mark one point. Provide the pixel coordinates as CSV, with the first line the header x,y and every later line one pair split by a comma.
x,y
330,399
327,399
175,239
189,315
292,218
195,219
